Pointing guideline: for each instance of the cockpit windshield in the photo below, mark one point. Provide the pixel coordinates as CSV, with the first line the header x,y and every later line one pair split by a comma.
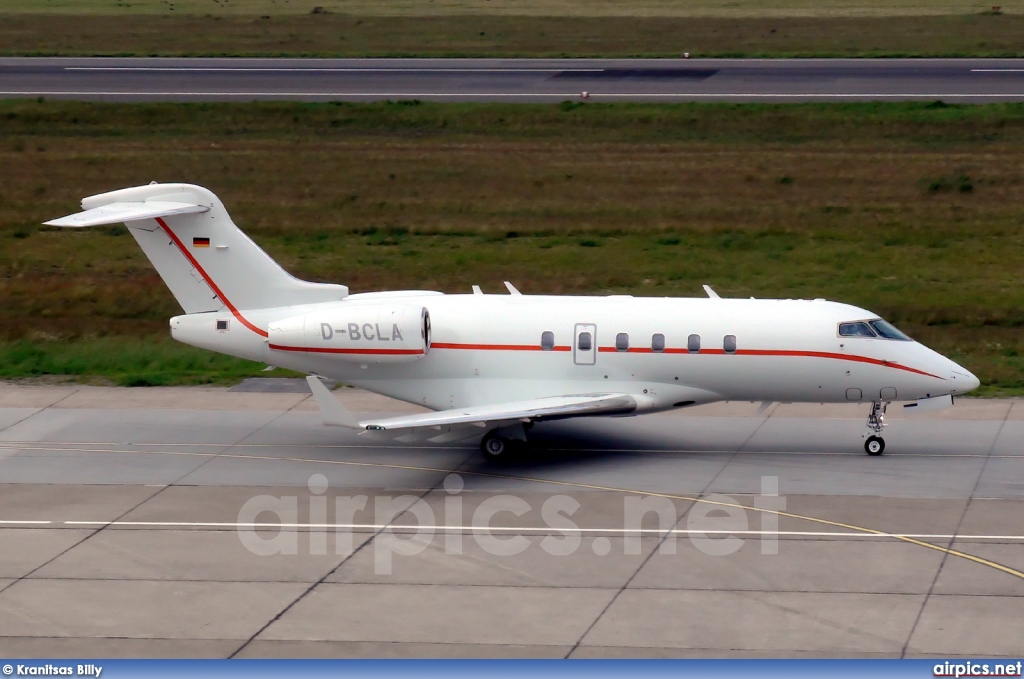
x,y
888,330
876,328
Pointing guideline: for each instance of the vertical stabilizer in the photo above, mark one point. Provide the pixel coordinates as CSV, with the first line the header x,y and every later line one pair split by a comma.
x,y
206,261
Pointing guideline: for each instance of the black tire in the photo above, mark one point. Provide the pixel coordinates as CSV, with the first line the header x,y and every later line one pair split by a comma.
x,y
494,447
874,446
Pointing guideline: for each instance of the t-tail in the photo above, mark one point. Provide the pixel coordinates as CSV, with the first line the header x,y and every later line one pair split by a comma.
x,y
206,261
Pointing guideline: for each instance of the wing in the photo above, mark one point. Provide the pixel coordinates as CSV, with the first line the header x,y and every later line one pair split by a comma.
x,y
464,422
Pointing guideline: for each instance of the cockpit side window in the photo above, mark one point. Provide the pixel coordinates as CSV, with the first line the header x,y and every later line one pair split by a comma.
x,y
856,329
888,330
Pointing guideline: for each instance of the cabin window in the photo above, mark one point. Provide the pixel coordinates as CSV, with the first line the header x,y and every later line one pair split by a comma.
x,y
222,324
888,330
693,344
855,329
729,344
622,342
585,341
658,342
547,340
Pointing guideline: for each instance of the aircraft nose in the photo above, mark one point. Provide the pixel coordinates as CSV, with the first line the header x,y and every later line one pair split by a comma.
x,y
964,379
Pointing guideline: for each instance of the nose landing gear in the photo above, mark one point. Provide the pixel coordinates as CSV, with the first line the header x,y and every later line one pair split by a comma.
x,y
875,444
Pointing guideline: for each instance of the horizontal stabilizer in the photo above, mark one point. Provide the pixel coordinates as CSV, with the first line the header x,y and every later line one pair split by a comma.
x,y
116,213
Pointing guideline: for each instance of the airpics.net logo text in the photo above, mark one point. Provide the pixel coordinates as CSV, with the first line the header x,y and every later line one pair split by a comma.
x,y
500,524
975,669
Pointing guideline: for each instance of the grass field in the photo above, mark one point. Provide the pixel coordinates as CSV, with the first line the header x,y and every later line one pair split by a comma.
x,y
547,8
522,28
911,210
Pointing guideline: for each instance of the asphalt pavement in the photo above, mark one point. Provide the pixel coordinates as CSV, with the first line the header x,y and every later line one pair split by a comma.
x,y
514,80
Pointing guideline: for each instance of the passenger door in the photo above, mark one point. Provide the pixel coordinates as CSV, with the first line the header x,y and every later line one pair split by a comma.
x,y
584,347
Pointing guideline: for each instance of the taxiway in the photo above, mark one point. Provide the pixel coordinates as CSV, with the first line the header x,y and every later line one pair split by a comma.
x,y
127,529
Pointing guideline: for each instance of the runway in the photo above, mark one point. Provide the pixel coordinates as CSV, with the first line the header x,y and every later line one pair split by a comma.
x,y
140,522
514,80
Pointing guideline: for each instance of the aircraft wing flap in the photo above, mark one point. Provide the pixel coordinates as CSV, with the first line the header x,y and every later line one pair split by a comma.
x,y
116,213
554,407
445,423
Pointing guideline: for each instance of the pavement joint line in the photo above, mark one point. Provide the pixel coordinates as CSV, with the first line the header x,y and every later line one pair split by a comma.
x,y
587,486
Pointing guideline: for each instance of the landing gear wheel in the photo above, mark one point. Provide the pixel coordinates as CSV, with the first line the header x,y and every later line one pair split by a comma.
x,y
494,447
874,446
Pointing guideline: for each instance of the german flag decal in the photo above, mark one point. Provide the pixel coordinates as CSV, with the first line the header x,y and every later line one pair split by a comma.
x,y
200,242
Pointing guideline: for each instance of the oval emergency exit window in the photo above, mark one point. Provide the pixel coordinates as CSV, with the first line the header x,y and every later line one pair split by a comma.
x,y
585,342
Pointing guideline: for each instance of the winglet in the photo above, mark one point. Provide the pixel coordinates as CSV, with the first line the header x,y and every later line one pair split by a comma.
x,y
333,412
512,289
711,293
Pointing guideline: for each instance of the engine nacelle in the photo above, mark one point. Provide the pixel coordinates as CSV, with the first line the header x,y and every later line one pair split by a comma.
x,y
358,334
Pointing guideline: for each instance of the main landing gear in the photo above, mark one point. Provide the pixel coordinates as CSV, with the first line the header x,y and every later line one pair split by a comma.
x,y
504,443
875,444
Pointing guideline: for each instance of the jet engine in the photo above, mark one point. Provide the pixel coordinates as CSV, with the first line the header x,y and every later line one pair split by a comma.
x,y
357,333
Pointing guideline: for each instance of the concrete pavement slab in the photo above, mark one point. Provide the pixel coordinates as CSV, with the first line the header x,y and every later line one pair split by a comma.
x,y
173,555
758,621
629,652
961,576
268,648
127,425
141,608
799,566
101,468
555,508
93,647
588,564
993,517
32,502
441,614
953,624
1002,478
222,504
26,549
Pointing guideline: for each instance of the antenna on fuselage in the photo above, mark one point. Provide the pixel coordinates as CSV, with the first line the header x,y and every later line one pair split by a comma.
x,y
707,288
477,290
512,289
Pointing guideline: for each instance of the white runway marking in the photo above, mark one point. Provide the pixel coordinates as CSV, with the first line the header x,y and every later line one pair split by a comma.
x,y
321,70
506,529
255,69
997,70
520,95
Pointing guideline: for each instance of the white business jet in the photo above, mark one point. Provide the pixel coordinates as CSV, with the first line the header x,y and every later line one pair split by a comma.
x,y
495,364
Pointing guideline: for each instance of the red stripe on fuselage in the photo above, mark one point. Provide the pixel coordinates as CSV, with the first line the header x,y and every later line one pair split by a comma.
x,y
209,281
339,350
496,347
705,352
